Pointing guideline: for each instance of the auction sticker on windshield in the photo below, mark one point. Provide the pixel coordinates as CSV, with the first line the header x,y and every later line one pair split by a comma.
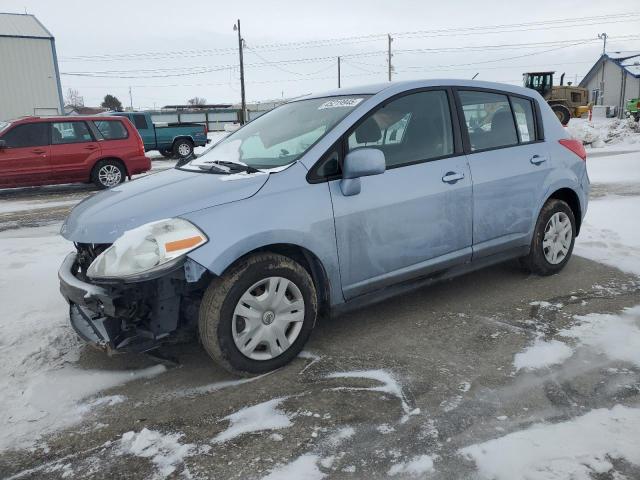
x,y
340,102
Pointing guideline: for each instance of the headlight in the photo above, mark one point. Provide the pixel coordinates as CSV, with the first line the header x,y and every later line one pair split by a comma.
x,y
146,249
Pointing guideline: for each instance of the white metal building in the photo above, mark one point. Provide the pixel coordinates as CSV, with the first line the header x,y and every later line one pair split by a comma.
x,y
614,79
29,75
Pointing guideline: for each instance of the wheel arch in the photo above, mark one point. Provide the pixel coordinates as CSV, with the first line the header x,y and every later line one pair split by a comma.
x,y
308,260
182,137
572,199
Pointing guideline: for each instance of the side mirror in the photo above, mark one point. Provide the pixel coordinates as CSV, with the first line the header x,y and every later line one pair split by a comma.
x,y
3,144
360,163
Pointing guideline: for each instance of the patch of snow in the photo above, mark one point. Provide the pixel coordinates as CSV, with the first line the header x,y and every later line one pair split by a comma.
x,y
385,429
41,390
417,466
8,206
304,467
164,450
542,354
389,384
340,436
609,234
616,336
214,387
573,449
601,132
263,416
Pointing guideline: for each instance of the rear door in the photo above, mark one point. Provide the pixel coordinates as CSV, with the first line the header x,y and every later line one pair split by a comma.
x,y
414,219
508,161
73,151
25,158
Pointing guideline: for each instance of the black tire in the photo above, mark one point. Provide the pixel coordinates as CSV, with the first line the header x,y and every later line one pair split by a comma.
x,y
562,112
108,169
536,262
166,153
221,297
183,145
636,117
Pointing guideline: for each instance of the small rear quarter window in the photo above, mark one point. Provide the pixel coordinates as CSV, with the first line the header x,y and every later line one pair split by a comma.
x,y
111,129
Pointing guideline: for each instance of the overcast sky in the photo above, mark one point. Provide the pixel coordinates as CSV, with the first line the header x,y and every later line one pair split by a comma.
x,y
174,50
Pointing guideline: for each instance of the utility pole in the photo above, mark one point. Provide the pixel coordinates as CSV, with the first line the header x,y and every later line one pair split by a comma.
x,y
389,39
603,37
338,72
130,100
243,104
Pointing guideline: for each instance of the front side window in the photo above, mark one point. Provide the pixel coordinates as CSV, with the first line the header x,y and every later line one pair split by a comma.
x,y
27,135
523,111
70,132
280,136
488,119
111,129
412,128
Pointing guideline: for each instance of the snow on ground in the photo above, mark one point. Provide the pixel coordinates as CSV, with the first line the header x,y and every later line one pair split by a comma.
x,y
263,416
542,354
417,466
616,336
601,132
164,450
40,388
574,449
26,205
304,467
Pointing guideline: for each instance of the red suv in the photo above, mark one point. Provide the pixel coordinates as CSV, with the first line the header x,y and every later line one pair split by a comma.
x,y
51,150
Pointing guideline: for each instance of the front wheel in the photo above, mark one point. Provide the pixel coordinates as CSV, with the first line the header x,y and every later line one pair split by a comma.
x,y
182,149
553,239
108,173
258,316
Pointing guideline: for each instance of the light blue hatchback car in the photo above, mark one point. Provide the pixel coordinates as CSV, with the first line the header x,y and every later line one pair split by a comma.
x,y
323,204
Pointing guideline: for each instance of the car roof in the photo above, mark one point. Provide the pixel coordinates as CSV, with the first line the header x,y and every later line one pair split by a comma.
x,y
411,84
62,118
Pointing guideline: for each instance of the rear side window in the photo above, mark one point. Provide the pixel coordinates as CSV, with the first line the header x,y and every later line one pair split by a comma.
x,y
111,129
27,135
489,120
70,132
140,122
410,129
523,111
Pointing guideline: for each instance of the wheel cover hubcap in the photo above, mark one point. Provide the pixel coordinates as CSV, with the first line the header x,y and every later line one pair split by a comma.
x,y
184,149
268,318
109,175
558,235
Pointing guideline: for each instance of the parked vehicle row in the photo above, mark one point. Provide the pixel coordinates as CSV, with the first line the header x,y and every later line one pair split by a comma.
x,y
54,150
323,204
174,140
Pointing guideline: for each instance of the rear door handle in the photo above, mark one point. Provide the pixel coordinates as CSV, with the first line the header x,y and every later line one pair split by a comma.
x,y
452,177
537,159
39,151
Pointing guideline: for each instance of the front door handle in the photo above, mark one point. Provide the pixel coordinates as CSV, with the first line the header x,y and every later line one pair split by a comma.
x,y
537,159
91,147
452,177
39,151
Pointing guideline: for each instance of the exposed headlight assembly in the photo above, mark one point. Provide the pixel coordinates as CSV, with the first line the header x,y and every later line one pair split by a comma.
x,y
147,249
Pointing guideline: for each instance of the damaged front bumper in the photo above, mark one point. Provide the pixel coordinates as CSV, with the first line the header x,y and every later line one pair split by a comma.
x,y
133,317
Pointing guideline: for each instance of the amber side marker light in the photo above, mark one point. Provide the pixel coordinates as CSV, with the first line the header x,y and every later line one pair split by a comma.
x,y
183,243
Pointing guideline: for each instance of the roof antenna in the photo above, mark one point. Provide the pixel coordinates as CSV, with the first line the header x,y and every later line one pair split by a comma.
x,y
474,77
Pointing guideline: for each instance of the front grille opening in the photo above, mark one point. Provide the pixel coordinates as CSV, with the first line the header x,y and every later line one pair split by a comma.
x,y
87,253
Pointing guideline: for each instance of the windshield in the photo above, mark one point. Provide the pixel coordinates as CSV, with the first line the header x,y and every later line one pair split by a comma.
x,y
280,136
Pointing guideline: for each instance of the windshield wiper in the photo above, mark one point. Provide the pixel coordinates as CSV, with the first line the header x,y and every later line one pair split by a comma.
x,y
227,168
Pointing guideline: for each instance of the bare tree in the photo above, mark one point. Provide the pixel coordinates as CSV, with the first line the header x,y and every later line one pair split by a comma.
x,y
197,101
73,98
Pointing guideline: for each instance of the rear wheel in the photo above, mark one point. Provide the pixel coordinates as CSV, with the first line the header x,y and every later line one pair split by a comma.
x,y
258,316
562,112
553,239
182,148
108,173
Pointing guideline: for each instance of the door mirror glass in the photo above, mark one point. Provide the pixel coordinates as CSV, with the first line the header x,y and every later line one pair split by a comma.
x,y
363,163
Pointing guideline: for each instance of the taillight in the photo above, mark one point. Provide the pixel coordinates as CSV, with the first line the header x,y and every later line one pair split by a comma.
x,y
140,144
206,129
638,105
575,146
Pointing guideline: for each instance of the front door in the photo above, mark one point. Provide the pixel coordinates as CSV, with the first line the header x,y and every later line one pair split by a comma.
x,y
414,219
508,165
25,158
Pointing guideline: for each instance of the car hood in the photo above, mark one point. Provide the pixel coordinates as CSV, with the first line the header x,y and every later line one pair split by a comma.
x,y
105,216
